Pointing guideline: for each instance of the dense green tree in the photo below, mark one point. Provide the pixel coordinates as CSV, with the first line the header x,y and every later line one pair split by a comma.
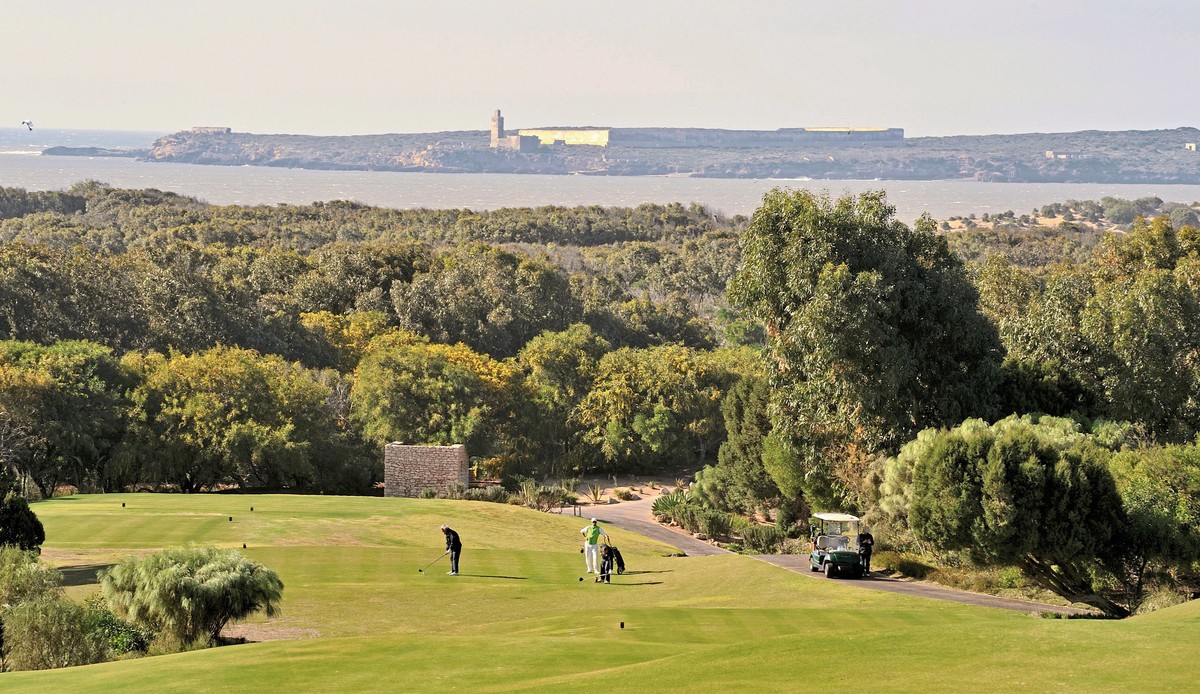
x,y
657,408
1113,337
743,481
873,333
1036,497
228,415
424,393
190,593
68,397
1160,487
488,298
560,368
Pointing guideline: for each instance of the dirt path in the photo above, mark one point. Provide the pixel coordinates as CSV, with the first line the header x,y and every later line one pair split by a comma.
x,y
634,516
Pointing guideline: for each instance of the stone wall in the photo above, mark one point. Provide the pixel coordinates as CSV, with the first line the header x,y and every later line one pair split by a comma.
x,y
409,469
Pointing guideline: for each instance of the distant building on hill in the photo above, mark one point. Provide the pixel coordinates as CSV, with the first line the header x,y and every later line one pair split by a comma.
x,y
1190,146
659,138
212,130
501,140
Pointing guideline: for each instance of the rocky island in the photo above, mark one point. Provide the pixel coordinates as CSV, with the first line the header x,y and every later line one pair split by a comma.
x,y
1132,156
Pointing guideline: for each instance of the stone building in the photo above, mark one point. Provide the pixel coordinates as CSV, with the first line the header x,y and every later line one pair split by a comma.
x,y
519,142
407,470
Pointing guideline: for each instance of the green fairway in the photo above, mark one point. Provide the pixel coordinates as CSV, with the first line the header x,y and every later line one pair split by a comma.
x,y
357,616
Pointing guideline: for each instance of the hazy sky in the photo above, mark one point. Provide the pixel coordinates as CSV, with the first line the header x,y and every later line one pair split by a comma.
x,y
352,67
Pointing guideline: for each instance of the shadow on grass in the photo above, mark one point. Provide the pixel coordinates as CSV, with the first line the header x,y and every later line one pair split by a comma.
x,y
643,583
82,575
637,573
510,578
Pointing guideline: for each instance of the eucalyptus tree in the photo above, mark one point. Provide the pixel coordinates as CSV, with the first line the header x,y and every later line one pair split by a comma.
x,y
874,333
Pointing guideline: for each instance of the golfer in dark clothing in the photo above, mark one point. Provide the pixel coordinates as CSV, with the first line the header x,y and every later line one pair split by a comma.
x,y
454,547
866,543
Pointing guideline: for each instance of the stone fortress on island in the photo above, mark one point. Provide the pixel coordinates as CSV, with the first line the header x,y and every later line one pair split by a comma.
x,y
531,139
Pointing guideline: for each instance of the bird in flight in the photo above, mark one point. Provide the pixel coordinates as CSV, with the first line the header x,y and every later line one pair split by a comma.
x,y
27,124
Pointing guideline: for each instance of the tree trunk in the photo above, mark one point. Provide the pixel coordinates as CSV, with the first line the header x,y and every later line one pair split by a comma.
x,y
1072,584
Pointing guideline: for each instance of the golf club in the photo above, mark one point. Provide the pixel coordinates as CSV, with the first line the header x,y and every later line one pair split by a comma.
x,y
421,571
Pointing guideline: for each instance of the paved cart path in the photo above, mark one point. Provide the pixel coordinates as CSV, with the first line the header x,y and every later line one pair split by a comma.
x,y
634,516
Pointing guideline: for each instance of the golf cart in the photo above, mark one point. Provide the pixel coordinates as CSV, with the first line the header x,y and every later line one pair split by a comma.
x,y
835,545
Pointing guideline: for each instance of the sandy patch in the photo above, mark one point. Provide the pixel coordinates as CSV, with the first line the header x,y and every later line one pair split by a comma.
x,y
268,632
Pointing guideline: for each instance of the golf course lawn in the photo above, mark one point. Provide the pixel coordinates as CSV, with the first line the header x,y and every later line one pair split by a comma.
x,y
357,615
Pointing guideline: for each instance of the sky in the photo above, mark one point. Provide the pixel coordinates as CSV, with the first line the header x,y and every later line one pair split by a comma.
x,y
943,67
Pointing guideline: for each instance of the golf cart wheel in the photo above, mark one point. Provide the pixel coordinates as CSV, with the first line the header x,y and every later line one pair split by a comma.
x,y
828,569
812,567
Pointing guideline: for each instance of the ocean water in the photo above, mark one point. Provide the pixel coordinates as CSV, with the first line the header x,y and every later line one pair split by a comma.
x,y
22,166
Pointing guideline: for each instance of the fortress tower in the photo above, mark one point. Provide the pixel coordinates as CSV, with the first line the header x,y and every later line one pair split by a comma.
x,y
497,128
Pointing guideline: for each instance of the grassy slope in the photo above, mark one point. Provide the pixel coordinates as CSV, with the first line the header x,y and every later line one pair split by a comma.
x,y
519,618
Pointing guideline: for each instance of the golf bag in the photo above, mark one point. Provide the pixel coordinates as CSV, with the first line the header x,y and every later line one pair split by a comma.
x,y
606,564
616,553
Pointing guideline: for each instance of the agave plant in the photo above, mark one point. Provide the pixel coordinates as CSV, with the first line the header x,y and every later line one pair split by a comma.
x,y
594,491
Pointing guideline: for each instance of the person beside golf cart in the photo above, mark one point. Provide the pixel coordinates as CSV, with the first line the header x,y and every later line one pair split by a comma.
x,y
866,545
454,547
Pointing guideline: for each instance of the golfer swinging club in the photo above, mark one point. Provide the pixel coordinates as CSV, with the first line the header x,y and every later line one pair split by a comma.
x,y
591,547
454,547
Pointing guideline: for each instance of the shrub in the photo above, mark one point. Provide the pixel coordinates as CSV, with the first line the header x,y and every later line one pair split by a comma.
x,y
791,545
665,505
19,525
493,493
427,493
714,523
594,491
762,539
687,518
190,593
120,636
23,577
455,490
1010,577
785,520
50,632
626,495
1158,599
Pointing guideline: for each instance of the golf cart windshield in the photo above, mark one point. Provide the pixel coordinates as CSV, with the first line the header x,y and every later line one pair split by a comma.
x,y
833,531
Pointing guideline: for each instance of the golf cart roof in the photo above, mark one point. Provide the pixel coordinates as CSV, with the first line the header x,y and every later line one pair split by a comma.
x,y
838,517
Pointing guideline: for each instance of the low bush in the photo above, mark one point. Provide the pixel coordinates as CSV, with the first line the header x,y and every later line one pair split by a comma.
x,y
715,524
1158,599
50,632
427,493
626,495
455,490
792,545
762,539
120,636
665,505
23,577
493,493
594,491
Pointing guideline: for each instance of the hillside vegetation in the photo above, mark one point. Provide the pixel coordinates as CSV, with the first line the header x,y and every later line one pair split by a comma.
x,y
820,355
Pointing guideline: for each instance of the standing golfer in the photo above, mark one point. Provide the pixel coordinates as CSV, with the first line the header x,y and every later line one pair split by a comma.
x,y
591,547
866,544
454,547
